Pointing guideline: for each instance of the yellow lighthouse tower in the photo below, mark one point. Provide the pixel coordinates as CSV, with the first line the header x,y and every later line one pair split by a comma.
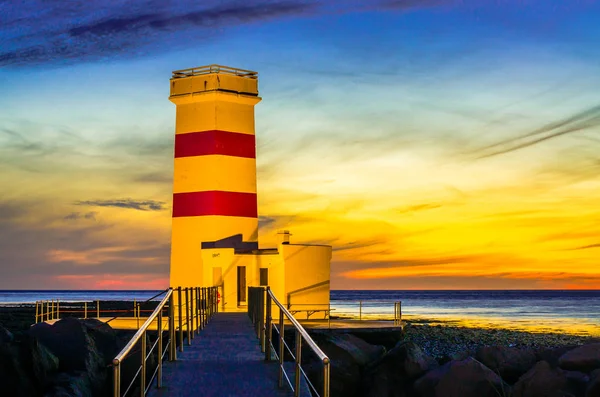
x,y
214,187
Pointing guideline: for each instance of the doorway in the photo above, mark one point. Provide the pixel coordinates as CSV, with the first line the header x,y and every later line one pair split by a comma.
x,y
241,285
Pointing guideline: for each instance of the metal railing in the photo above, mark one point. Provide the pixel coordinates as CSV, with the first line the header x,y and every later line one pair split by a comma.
x,y
351,310
260,302
46,310
201,70
192,307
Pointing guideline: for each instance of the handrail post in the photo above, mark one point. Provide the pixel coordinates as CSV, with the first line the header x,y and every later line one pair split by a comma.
x,y
179,304
261,322
269,327
187,315
36,311
298,363
116,378
191,309
326,374
359,310
160,349
143,370
97,309
201,306
84,309
204,308
57,309
172,338
197,309
281,346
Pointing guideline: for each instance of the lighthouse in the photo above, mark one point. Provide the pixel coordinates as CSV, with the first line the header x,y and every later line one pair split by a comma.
x,y
214,181
214,239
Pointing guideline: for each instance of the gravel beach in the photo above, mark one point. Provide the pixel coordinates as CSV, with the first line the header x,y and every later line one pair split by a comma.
x,y
441,341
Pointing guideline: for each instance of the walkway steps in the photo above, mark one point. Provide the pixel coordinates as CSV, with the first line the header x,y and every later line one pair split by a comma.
x,y
225,361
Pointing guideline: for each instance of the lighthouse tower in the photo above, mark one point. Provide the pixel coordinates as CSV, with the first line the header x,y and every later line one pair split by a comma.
x,y
214,187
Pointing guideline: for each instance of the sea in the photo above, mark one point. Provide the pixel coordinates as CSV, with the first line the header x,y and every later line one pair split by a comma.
x,y
560,311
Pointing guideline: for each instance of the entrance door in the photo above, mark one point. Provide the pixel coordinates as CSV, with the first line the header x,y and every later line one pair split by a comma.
x,y
241,290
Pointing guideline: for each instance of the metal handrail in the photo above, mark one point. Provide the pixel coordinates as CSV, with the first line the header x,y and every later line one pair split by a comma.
x,y
213,68
140,335
195,306
263,322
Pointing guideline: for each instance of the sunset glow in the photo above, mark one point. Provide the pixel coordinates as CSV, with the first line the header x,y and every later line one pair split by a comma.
x,y
449,146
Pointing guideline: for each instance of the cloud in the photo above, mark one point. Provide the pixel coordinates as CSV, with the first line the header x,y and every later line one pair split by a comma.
x,y
73,216
120,30
586,247
98,256
587,119
141,205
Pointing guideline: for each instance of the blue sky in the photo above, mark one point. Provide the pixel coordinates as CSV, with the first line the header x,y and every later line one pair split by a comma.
x,y
413,126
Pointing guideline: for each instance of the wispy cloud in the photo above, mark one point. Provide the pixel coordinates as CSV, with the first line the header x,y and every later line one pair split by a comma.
x,y
86,31
141,205
587,247
587,119
73,216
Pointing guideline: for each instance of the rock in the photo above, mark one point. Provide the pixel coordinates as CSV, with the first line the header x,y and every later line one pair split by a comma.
x,y
593,388
14,380
576,382
585,358
465,378
392,375
5,335
541,381
71,384
349,356
508,362
552,355
73,342
380,337
105,339
37,361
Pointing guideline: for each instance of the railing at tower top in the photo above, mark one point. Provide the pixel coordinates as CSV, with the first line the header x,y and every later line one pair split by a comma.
x,y
260,302
187,307
201,70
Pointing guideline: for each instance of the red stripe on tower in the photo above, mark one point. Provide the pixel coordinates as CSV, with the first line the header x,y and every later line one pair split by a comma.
x,y
215,203
215,142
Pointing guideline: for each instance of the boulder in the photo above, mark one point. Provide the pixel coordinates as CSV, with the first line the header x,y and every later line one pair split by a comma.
x,y
14,380
593,387
393,374
5,335
552,354
380,337
576,382
73,342
584,358
349,356
465,378
37,361
71,384
508,362
542,381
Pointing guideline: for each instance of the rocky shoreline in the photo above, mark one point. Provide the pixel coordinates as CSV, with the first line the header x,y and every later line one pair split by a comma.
x,y
446,361
72,358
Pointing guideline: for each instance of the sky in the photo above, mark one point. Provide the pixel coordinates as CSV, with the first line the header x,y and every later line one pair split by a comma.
x,y
435,144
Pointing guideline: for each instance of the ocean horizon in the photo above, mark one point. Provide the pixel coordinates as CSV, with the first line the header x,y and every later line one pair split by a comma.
x,y
561,311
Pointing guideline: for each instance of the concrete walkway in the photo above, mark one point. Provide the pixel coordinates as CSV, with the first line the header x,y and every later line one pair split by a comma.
x,y
224,361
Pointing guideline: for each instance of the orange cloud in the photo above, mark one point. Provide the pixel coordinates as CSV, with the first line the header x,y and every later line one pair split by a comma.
x,y
114,281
